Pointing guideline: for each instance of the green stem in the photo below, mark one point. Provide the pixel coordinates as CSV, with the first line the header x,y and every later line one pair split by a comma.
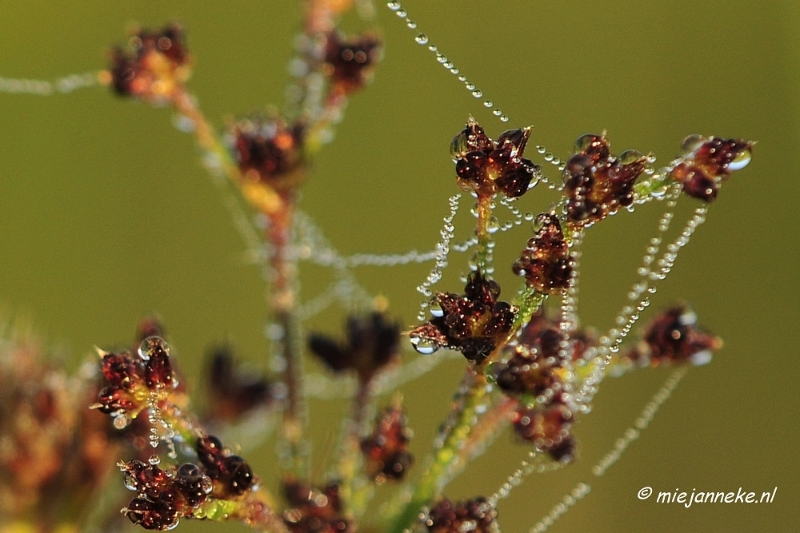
x,y
431,483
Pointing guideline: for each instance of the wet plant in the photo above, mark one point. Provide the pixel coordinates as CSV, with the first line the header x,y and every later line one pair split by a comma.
x,y
529,363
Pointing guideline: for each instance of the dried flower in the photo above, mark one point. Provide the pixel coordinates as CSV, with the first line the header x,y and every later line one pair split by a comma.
x,y
475,515
312,510
153,68
350,62
487,166
373,342
546,263
597,183
672,337
269,151
709,162
474,324
386,449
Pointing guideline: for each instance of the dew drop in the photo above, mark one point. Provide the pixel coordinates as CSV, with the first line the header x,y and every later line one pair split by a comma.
x,y
154,460
411,24
630,156
454,70
492,225
470,86
497,112
129,480
692,143
741,160
584,141
435,309
394,6
121,421
424,346
477,93
488,103
503,118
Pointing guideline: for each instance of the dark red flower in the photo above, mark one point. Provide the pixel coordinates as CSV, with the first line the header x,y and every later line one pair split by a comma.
x,y
487,166
474,324
673,337
475,515
350,62
709,162
597,183
269,151
154,66
386,449
373,341
546,262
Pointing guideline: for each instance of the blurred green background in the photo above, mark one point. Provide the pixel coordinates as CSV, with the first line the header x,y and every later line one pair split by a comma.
x,y
106,214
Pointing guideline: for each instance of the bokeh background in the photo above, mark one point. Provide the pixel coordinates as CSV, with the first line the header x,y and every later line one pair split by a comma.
x,y
106,214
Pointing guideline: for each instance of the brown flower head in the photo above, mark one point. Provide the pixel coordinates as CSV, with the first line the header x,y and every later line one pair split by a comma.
x,y
233,392
548,427
546,262
673,337
474,324
164,496
312,510
373,341
350,61
386,449
709,162
269,151
488,167
133,382
230,474
597,183
153,68
476,516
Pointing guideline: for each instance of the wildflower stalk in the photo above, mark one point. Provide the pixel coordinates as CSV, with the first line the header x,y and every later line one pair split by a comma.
x,y
350,459
431,483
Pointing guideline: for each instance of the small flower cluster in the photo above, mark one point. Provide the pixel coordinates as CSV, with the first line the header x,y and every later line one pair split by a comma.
x,y
474,323
164,496
546,263
598,183
134,384
672,338
709,162
487,167
472,515
373,342
386,449
268,151
314,511
538,374
153,68
350,61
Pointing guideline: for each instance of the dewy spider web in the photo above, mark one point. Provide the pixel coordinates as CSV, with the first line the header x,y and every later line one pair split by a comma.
x,y
311,245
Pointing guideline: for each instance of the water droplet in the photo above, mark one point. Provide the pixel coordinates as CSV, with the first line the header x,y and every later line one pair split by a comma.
x,y
121,421
394,6
692,143
497,112
154,460
436,309
458,146
424,346
503,118
630,156
585,141
469,86
401,13
741,160
462,79
477,93
411,24
493,224
454,70
129,480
